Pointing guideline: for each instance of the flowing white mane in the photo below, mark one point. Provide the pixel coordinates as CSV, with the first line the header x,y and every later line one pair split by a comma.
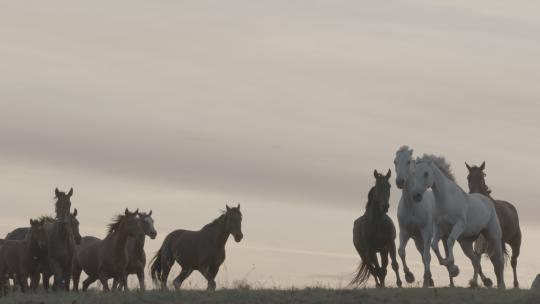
x,y
404,148
440,162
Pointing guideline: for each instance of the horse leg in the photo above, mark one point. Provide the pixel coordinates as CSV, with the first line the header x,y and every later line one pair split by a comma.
x,y
384,265
67,276
184,274
210,275
468,250
374,268
403,239
140,277
34,281
423,247
515,243
76,276
166,269
497,258
445,247
57,273
104,281
480,247
457,230
87,282
395,265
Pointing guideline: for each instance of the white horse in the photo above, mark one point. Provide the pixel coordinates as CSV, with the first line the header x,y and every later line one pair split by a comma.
x,y
415,218
459,215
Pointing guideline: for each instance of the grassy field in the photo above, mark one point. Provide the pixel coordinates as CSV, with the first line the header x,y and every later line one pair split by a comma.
x,y
308,295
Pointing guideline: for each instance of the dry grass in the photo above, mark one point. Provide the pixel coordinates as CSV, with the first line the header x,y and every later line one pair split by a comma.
x,y
245,294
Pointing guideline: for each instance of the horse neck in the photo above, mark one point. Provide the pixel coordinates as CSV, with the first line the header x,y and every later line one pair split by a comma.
x,y
406,193
218,233
139,244
373,216
442,185
119,239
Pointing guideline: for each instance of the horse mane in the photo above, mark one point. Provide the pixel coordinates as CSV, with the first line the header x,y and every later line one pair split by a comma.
x,y
370,198
46,218
216,221
115,223
404,148
440,162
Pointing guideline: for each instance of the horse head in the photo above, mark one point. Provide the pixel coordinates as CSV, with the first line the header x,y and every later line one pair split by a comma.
x,y
233,218
422,178
381,191
476,179
74,224
37,233
147,223
63,203
403,164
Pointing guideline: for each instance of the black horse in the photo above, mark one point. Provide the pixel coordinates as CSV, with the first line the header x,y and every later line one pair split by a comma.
x,y
202,250
375,232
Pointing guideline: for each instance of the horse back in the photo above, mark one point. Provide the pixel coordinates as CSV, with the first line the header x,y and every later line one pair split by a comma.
x,y
18,233
86,254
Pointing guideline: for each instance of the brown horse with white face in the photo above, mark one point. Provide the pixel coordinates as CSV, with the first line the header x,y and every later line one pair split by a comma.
x,y
508,219
202,250
108,258
18,258
135,250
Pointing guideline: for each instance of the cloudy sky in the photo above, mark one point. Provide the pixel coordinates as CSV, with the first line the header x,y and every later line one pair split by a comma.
x,y
283,106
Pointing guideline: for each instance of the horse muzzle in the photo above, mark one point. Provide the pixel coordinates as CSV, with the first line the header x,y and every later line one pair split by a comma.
x,y
153,235
238,237
400,183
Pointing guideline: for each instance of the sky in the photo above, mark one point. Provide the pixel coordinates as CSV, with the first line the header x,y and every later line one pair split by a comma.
x,y
286,107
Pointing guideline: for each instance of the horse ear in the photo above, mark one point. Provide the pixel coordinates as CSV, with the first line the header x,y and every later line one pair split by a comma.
x,y
75,212
483,166
375,173
56,192
136,211
70,193
388,174
411,152
32,223
238,207
468,167
150,213
227,206
126,212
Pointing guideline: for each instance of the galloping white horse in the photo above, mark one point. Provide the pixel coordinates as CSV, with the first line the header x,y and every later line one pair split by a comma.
x,y
459,215
415,218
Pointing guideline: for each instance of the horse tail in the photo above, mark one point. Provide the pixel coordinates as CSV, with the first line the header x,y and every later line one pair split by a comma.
x,y
163,256
362,274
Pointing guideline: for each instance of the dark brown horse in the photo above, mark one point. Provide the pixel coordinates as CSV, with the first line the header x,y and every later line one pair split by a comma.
x,y
508,219
43,257
202,250
18,258
108,258
135,250
374,232
61,241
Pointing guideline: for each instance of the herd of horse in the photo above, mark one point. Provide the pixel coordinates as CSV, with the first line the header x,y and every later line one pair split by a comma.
x,y
53,246
479,223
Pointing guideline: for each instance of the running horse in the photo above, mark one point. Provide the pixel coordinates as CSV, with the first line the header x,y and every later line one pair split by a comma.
x,y
459,215
374,232
508,218
202,250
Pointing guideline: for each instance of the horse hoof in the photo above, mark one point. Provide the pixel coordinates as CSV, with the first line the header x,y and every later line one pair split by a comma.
x,y
428,283
473,284
487,282
409,277
453,270
399,284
